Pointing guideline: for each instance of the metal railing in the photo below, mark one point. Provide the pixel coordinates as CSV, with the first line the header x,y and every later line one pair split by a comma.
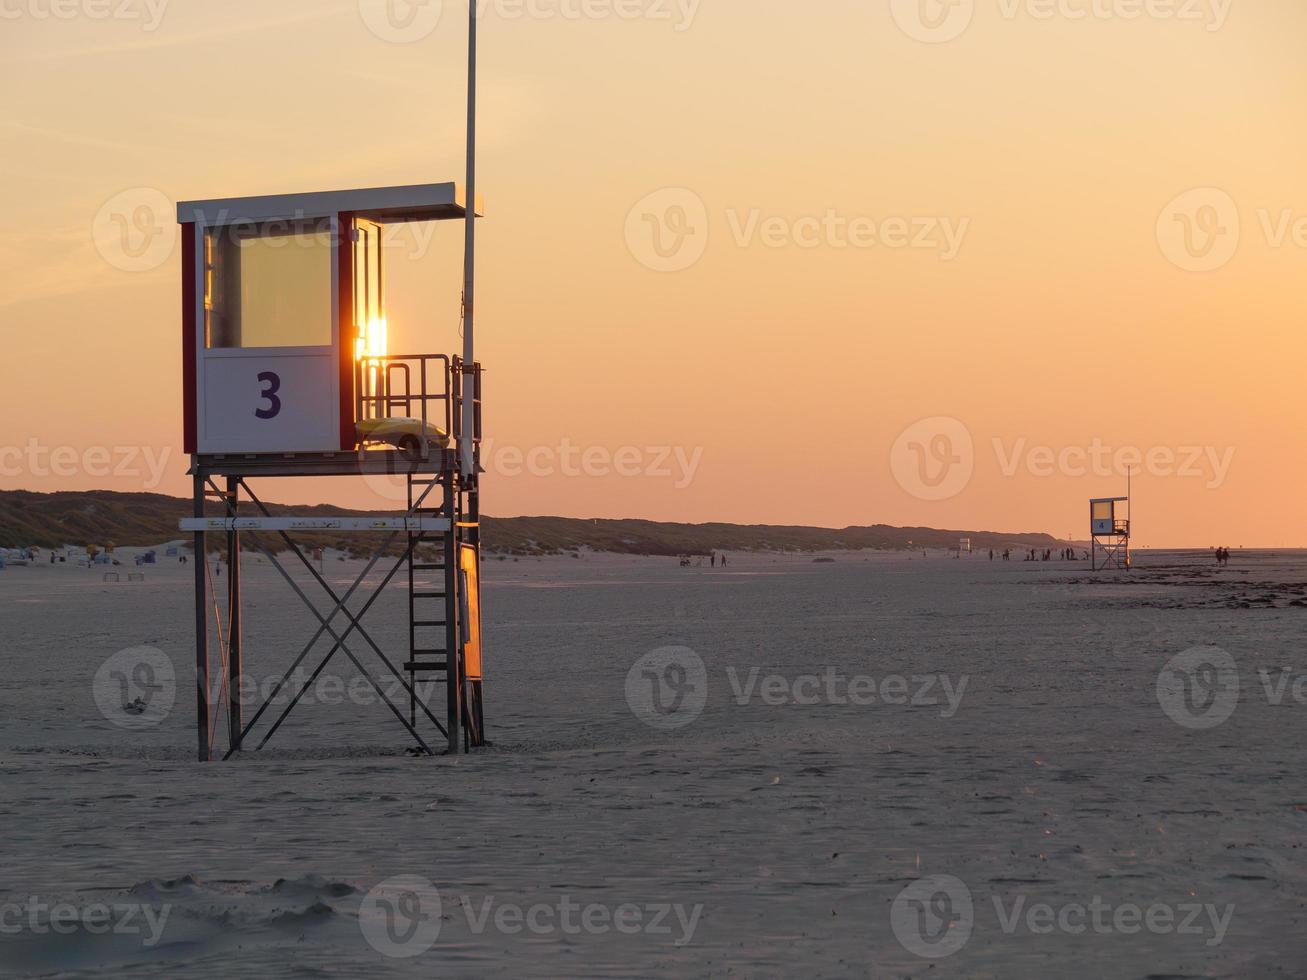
x,y
429,387
459,386
404,386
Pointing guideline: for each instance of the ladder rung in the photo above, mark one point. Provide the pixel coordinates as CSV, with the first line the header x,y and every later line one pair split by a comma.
x,y
427,622
426,653
428,595
427,567
416,666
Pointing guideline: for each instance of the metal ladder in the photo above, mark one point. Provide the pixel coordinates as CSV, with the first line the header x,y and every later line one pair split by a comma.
x,y
428,604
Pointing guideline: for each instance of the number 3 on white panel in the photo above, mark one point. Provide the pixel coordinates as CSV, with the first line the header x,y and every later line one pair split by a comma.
x,y
272,382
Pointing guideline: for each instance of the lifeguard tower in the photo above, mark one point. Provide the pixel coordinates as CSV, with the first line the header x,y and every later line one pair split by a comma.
x,y
1109,534
288,373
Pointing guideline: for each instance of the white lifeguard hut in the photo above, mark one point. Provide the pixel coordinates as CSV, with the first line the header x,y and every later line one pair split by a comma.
x,y
287,372
1109,533
285,333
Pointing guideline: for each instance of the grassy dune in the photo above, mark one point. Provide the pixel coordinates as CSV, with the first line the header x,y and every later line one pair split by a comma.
x,y
136,519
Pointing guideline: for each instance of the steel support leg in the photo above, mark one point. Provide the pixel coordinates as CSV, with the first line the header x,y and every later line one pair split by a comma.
x,y
236,668
201,627
453,631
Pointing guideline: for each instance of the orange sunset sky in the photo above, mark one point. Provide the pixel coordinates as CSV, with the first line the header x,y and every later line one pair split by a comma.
x,y
816,250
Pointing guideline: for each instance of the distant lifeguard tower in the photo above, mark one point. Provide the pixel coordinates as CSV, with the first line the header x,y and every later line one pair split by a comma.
x,y
287,372
1109,534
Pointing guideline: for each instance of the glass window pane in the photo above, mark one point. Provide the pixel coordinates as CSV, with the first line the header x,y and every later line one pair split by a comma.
x,y
369,308
269,286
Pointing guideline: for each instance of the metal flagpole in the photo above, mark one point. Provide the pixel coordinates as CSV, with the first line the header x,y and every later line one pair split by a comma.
x,y
469,255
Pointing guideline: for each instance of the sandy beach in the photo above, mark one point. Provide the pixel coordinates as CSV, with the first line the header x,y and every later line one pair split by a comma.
x,y
866,725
